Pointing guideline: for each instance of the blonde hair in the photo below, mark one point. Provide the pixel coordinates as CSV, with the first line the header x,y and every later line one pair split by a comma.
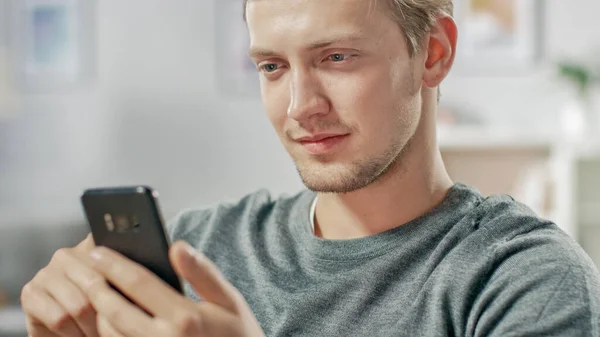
x,y
415,17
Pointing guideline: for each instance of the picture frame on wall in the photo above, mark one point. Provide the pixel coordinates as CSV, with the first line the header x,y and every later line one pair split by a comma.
x,y
3,24
8,95
498,36
236,73
52,43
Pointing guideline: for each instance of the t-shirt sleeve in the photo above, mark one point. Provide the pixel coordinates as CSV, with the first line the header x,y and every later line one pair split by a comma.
x,y
541,288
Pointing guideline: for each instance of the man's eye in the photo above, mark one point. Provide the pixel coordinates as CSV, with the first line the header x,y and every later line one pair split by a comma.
x,y
338,57
269,67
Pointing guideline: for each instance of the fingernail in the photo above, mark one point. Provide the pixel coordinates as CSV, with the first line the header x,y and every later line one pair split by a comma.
x,y
194,253
96,254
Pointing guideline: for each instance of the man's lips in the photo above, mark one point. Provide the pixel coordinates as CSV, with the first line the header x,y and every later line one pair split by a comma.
x,y
322,143
317,138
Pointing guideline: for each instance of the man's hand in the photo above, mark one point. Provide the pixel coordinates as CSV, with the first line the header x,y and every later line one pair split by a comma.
x,y
54,303
167,313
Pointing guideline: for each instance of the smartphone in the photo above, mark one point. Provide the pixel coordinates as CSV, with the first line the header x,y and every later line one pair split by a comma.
x,y
128,220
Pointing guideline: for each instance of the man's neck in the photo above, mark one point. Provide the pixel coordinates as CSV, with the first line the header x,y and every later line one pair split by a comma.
x,y
412,186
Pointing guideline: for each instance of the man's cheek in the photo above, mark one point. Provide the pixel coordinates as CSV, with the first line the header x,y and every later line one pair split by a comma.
x,y
276,122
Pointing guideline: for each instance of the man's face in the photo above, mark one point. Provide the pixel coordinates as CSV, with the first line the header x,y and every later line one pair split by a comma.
x,y
338,85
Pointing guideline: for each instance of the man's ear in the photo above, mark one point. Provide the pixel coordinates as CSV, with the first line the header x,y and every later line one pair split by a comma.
x,y
440,51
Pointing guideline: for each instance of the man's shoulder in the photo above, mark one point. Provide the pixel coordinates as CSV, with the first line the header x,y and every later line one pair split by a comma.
x,y
537,249
528,271
513,240
253,206
512,228
504,235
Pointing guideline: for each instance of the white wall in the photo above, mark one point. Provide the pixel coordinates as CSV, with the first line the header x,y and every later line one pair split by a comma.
x,y
534,99
155,116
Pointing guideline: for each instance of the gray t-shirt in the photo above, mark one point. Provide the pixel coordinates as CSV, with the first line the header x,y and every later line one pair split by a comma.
x,y
473,266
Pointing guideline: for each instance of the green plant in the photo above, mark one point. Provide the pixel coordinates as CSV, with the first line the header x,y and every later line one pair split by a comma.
x,y
582,76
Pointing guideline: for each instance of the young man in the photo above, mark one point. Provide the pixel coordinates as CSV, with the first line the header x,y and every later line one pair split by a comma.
x,y
382,243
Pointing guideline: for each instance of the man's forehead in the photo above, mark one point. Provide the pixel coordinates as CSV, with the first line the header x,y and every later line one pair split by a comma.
x,y
371,4
315,10
311,24
297,1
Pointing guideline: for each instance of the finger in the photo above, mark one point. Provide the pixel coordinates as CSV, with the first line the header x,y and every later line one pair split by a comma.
x,y
204,276
37,328
39,305
137,282
207,319
72,299
105,329
122,315
61,287
218,321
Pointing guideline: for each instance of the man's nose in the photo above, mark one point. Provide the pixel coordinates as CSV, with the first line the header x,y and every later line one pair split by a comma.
x,y
306,97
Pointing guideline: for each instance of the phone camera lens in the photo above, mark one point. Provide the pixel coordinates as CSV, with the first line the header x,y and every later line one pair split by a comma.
x,y
109,222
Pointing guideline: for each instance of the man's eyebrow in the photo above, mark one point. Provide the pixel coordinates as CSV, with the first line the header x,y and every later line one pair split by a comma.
x,y
335,40
255,52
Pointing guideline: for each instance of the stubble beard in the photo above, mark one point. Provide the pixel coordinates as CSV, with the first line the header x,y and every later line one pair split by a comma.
x,y
345,178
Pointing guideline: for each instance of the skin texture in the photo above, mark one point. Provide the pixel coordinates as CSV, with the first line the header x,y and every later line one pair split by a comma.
x,y
326,67
70,297
360,86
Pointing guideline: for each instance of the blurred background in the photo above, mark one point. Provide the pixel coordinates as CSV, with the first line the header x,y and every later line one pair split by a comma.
x,y
112,92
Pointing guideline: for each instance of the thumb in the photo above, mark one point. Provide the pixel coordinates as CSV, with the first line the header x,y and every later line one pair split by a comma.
x,y
204,276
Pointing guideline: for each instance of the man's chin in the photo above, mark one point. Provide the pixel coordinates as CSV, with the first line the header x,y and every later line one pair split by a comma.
x,y
325,187
330,182
340,177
